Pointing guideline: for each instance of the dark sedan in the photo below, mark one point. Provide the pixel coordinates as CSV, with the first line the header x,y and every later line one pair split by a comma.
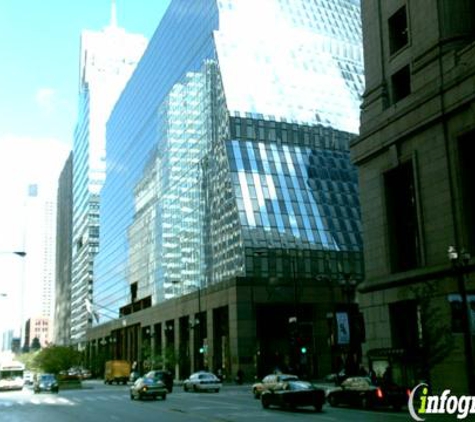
x,y
46,382
292,394
361,392
148,387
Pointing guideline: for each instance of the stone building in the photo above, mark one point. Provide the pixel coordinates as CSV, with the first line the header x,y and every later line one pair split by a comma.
x,y
417,183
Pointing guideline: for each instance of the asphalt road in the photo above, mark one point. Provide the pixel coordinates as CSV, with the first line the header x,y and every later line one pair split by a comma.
x,y
99,402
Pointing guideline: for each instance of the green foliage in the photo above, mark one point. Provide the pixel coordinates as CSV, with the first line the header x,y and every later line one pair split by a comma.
x,y
54,359
170,358
35,344
28,359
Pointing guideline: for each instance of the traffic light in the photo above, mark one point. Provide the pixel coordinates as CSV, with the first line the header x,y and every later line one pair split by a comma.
x,y
303,350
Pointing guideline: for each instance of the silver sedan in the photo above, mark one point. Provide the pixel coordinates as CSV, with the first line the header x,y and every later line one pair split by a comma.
x,y
202,381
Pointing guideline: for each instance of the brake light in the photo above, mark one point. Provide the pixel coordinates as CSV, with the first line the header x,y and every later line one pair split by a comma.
x,y
379,393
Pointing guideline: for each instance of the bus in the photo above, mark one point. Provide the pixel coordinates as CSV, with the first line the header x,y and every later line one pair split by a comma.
x,y
11,375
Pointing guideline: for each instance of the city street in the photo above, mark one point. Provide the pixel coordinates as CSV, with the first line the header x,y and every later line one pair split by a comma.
x,y
99,402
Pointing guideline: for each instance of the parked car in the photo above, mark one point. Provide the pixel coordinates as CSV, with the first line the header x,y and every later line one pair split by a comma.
x,y
202,381
165,376
46,382
361,392
271,381
148,387
337,378
85,374
293,393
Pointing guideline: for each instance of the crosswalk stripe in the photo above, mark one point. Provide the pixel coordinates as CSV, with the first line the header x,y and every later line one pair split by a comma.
x,y
38,400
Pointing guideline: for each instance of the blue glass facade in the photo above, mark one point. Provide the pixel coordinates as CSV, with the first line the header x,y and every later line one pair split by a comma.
x,y
230,140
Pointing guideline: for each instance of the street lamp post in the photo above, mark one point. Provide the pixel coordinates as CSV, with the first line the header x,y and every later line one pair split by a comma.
x,y
348,286
459,262
197,326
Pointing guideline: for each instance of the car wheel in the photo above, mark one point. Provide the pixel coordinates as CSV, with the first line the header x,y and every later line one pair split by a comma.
x,y
364,402
195,388
256,393
217,390
318,407
185,388
265,402
131,396
332,400
164,396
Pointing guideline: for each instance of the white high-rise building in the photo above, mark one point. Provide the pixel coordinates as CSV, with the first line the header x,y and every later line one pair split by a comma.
x,y
107,60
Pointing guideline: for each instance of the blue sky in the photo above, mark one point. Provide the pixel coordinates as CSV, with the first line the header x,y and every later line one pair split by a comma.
x,y
39,50
39,47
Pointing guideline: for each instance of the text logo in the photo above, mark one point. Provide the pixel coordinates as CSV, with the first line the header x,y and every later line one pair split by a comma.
x,y
421,403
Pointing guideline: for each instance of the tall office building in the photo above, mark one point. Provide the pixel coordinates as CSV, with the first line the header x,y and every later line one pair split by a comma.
x,y
414,158
107,59
64,222
230,210
38,280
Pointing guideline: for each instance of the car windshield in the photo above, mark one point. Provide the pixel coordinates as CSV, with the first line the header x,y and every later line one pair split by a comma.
x,y
298,385
150,380
286,378
357,382
46,378
206,377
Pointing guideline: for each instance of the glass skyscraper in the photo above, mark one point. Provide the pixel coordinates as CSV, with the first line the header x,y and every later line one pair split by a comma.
x,y
228,171
107,59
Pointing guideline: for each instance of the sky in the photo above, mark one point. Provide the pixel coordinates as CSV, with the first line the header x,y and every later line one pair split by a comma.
x,y
39,50
39,47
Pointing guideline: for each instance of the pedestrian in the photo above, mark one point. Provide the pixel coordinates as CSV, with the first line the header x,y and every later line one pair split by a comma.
x,y
240,376
373,377
219,373
388,376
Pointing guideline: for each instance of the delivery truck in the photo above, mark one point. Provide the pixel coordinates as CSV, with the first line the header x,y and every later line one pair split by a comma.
x,y
117,371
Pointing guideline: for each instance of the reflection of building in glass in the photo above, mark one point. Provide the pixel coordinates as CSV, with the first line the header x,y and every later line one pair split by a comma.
x,y
229,187
107,59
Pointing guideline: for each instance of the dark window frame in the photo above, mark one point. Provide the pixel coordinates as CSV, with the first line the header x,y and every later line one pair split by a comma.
x,y
398,30
403,225
404,331
401,84
466,151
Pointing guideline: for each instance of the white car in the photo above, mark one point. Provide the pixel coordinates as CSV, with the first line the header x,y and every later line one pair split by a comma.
x,y
202,381
28,377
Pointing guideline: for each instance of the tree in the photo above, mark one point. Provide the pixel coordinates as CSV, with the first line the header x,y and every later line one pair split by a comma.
x,y
438,342
28,360
54,359
35,344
